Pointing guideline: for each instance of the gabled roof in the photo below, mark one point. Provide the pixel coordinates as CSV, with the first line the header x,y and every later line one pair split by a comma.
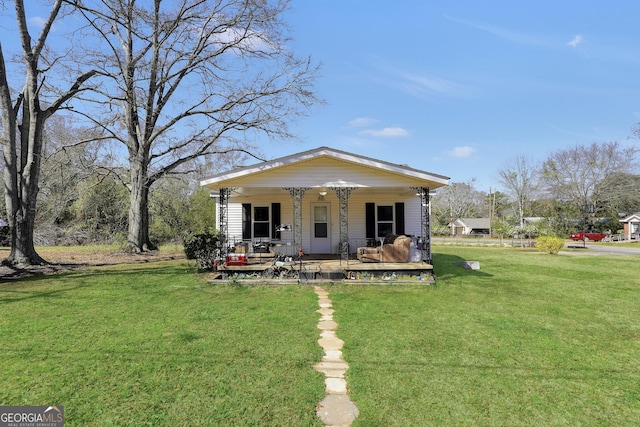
x,y
474,223
632,218
326,167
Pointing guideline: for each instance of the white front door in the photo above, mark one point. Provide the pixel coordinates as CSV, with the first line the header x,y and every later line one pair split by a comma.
x,y
320,228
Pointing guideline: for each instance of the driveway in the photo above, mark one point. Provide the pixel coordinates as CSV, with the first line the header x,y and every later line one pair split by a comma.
x,y
605,250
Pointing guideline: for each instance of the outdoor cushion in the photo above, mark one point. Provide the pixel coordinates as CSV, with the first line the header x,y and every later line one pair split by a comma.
x,y
395,251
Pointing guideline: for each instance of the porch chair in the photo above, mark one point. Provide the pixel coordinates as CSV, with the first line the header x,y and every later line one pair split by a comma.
x,y
394,249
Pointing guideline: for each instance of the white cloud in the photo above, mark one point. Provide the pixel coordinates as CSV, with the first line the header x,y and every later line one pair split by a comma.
x,y
391,132
240,39
362,122
576,41
416,84
37,21
512,36
422,84
461,152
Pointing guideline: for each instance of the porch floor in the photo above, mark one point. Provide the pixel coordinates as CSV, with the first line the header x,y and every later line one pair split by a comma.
x,y
321,268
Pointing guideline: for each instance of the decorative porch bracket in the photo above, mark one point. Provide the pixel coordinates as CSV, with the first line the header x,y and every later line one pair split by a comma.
x,y
343,194
223,219
425,226
297,193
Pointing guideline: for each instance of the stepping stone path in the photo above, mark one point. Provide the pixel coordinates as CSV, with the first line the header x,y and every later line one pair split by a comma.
x,y
336,409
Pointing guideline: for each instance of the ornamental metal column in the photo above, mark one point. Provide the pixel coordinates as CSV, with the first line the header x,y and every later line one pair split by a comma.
x,y
297,193
425,225
343,194
223,219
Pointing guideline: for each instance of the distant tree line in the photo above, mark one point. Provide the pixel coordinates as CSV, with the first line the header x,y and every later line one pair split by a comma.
x,y
81,202
588,186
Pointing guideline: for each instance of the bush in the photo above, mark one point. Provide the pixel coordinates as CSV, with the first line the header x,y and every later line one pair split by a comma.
x,y
550,244
202,248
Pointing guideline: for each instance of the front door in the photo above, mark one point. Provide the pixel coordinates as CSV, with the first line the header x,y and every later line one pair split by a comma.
x,y
320,228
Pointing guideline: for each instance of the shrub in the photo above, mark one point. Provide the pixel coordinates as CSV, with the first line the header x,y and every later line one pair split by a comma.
x,y
550,244
202,248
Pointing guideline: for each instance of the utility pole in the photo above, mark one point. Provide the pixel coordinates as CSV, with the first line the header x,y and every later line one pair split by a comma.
x,y
492,209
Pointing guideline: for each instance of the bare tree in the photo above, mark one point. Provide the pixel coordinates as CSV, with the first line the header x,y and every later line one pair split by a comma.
x,y
575,175
520,180
620,191
458,200
67,161
23,119
191,78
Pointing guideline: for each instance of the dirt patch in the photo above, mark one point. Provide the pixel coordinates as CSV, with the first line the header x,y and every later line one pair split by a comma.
x,y
64,259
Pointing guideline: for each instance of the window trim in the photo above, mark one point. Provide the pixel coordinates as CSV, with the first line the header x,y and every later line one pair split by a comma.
x,y
379,222
255,222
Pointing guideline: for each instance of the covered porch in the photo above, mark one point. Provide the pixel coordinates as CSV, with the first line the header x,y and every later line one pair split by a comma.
x,y
317,268
330,205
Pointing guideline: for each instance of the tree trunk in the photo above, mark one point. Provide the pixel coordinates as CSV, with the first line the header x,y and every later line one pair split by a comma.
x,y
22,174
23,251
138,235
22,135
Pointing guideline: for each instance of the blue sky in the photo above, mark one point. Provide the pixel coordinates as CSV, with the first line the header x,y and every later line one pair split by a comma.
x,y
461,88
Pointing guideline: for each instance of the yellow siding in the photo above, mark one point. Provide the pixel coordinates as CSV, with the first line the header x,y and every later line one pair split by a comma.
x,y
314,173
356,217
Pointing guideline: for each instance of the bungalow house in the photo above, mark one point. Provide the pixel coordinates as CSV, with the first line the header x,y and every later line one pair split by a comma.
x,y
631,226
323,201
472,226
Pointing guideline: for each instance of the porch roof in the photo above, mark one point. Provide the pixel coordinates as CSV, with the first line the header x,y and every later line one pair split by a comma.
x,y
632,218
324,167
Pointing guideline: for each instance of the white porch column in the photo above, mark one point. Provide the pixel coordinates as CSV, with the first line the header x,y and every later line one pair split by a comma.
x,y
223,219
425,209
297,194
343,194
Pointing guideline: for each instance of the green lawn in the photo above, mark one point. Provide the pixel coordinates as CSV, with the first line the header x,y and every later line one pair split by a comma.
x,y
529,339
156,345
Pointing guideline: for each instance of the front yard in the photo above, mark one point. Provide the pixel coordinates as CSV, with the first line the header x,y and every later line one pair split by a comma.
x,y
529,339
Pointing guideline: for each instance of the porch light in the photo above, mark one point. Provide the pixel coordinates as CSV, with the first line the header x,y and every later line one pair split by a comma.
x,y
323,191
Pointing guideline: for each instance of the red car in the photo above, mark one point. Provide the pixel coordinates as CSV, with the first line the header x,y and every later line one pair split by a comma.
x,y
590,235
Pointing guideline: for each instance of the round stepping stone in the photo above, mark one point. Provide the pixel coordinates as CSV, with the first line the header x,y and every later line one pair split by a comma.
x,y
336,385
327,325
331,343
331,355
328,334
337,410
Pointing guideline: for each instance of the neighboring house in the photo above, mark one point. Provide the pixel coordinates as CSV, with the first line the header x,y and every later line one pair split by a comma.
x,y
472,226
325,201
530,220
631,226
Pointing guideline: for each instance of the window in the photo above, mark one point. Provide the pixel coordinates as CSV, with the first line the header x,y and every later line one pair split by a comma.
x,y
320,222
261,222
384,220
381,220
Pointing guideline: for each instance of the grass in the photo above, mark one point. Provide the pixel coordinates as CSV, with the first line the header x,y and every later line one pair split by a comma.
x,y
529,339
156,345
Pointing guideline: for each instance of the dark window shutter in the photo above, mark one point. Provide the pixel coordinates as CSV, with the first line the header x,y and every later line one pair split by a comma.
x,y
275,220
246,221
399,218
370,220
